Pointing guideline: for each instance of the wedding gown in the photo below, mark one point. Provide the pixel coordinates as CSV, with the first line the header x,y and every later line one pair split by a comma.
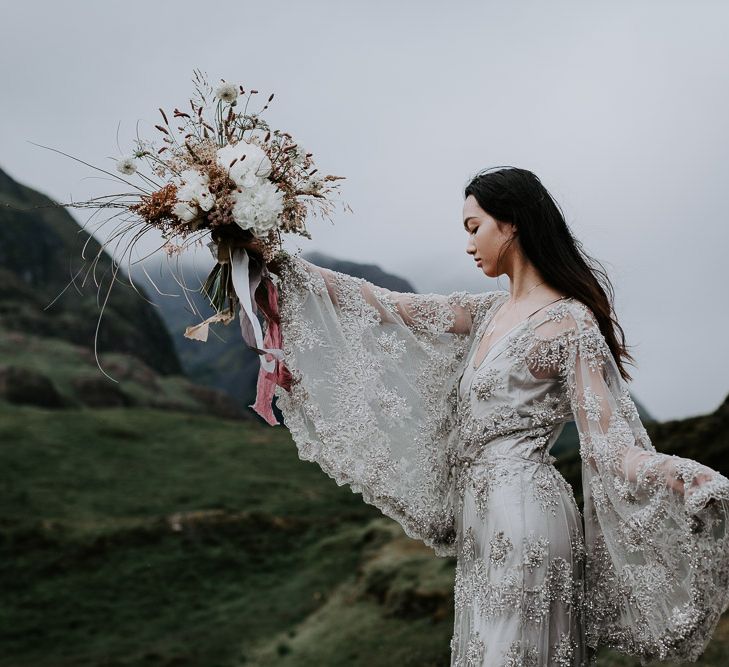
x,y
385,398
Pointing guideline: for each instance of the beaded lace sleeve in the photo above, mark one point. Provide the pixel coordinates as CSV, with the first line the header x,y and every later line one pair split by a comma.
x,y
373,394
655,524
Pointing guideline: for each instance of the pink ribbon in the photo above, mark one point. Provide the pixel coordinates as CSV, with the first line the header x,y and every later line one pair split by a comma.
x,y
281,376
247,287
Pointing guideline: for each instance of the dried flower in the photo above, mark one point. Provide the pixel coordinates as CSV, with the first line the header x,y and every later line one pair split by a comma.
x,y
157,207
224,174
227,92
313,185
126,165
300,157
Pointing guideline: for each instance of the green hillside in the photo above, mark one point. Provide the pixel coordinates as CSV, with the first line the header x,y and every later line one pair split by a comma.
x,y
139,536
40,252
132,536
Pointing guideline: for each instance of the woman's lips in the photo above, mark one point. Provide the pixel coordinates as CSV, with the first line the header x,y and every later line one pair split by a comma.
x,y
478,262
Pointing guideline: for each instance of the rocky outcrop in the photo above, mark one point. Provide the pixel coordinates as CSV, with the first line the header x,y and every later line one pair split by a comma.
x,y
25,386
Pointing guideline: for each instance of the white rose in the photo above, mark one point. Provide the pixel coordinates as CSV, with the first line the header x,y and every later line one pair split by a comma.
x,y
184,211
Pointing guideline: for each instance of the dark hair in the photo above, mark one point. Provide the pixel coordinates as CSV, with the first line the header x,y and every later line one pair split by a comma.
x,y
517,196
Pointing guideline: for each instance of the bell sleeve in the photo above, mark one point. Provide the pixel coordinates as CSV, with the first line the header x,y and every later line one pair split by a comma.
x,y
374,389
657,549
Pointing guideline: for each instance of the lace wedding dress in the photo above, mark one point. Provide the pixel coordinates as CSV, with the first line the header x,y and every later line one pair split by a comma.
x,y
387,398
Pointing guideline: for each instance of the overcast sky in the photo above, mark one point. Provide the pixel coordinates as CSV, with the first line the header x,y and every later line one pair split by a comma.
x,y
621,108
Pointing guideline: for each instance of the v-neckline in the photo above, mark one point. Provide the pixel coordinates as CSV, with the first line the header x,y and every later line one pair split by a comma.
x,y
503,336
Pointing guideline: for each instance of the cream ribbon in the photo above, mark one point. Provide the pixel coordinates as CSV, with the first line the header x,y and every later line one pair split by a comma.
x,y
250,327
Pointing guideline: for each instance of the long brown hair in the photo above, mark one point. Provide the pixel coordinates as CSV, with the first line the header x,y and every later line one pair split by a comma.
x,y
517,196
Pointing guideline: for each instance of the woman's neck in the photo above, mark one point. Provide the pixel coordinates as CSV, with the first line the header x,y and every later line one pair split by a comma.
x,y
528,285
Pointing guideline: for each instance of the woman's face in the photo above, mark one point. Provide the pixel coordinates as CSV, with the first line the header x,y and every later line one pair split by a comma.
x,y
486,236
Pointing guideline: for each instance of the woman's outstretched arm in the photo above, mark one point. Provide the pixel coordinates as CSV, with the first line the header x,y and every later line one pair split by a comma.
x,y
437,313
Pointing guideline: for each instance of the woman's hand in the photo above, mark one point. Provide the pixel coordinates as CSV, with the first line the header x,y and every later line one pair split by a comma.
x,y
679,487
227,245
255,249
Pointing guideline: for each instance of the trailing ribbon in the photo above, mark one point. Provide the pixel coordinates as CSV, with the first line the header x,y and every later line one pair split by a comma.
x,y
282,376
245,287
272,371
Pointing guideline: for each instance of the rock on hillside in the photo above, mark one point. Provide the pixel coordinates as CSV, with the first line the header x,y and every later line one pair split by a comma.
x,y
53,373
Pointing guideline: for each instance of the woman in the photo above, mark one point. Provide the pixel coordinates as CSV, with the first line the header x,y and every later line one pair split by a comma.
x,y
441,411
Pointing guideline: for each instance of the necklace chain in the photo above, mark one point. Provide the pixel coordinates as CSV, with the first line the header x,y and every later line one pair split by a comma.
x,y
490,330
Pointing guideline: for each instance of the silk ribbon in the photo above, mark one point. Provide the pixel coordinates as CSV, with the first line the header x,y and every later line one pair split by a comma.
x,y
271,372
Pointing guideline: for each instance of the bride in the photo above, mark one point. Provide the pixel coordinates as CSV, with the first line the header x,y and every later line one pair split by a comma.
x,y
441,411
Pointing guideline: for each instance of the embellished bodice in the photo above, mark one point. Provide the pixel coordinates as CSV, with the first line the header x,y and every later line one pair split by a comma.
x,y
514,401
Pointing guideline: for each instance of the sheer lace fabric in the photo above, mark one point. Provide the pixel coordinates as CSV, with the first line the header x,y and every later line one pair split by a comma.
x,y
368,401
385,399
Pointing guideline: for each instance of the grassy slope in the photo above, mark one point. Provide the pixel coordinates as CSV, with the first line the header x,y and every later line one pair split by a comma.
x,y
140,536
65,364
143,537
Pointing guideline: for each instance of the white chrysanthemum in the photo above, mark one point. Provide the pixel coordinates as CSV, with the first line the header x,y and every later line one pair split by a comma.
x,y
227,92
259,207
192,194
251,164
126,165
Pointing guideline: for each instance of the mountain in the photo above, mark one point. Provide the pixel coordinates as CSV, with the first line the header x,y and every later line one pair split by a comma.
x,y
40,252
149,535
47,331
370,272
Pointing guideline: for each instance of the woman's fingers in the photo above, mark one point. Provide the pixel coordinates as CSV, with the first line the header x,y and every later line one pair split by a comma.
x,y
678,484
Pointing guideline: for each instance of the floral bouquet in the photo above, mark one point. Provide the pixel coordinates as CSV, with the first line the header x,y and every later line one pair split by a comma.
x,y
222,173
